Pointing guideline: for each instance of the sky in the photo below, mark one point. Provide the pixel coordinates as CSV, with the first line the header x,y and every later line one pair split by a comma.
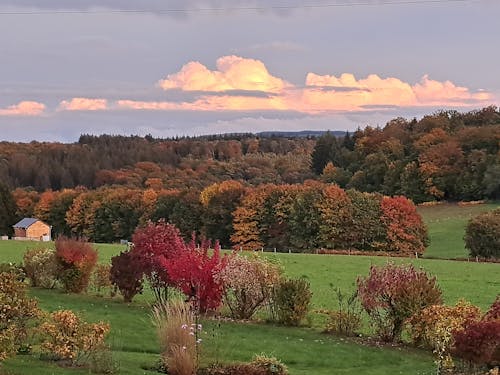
x,y
189,67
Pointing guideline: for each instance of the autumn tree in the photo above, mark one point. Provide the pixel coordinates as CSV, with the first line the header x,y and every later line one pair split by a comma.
x,y
246,221
219,201
26,200
367,231
305,217
406,231
335,209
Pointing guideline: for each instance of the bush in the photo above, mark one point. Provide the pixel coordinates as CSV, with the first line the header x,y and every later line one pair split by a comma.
x,y
77,260
433,327
125,276
248,283
479,343
17,270
195,272
101,278
347,320
154,244
271,365
260,365
178,335
234,369
16,311
391,294
481,235
65,336
494,311
428,327
102,362
290,301
41,267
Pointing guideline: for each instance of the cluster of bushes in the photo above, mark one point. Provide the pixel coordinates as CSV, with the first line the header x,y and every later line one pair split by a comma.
x,y
59,336
72,265
161,258
209,281
402,298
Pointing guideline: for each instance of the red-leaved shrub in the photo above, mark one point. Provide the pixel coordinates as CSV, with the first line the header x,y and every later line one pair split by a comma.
x,y
494,311
479,343
77,259
125,275
154,244
391,294
194,272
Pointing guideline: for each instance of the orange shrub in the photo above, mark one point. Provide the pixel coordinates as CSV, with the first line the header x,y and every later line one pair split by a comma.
x,y
77,259
67,337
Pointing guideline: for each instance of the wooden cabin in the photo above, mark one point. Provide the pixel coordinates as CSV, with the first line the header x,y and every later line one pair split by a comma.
x,y
32,229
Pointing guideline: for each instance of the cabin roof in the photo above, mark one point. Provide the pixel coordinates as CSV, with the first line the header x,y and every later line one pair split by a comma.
x,y
26,223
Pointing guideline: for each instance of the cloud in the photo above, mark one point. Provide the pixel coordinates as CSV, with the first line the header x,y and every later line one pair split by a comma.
x,y
434,92
147,105
244,85
233,73
24,108
83,104
236,78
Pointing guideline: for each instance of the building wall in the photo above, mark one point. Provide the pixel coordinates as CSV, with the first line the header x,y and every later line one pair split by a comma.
x,y
37,230
19,232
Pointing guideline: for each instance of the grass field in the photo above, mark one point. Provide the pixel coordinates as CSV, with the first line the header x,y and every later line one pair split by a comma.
x,y
446,224
305,350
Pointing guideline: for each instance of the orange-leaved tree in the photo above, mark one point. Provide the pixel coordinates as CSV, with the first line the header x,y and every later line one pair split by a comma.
x,y
406,231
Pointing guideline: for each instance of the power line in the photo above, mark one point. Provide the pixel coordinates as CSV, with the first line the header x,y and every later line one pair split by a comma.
x,y
231,9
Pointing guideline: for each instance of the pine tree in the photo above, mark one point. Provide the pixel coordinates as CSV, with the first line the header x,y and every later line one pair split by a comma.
x,y
321,152
7,211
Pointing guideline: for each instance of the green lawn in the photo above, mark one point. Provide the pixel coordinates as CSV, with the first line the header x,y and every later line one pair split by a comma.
x,y
13,251
305,350
446,224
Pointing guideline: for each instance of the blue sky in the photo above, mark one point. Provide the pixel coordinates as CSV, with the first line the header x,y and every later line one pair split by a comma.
x,y
93,68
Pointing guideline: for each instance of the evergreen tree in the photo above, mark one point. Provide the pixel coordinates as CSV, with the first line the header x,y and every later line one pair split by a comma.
x,y
322,152
7,211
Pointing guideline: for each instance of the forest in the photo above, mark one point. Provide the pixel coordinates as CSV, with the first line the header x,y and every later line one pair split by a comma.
x,y
103,187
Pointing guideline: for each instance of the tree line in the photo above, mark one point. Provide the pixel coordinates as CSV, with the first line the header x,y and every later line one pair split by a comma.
x,y
443,156
141,162
299,217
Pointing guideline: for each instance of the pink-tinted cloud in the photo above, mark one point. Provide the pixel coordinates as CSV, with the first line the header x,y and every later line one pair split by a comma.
x,y
147,106
233,73
83,104
24,108
321,93
433,92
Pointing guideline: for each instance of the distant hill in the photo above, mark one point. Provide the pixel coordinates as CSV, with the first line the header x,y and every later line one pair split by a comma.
x,y
299,134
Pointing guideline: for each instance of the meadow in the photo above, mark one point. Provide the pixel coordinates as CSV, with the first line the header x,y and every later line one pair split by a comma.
x,y
446,224
305,350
